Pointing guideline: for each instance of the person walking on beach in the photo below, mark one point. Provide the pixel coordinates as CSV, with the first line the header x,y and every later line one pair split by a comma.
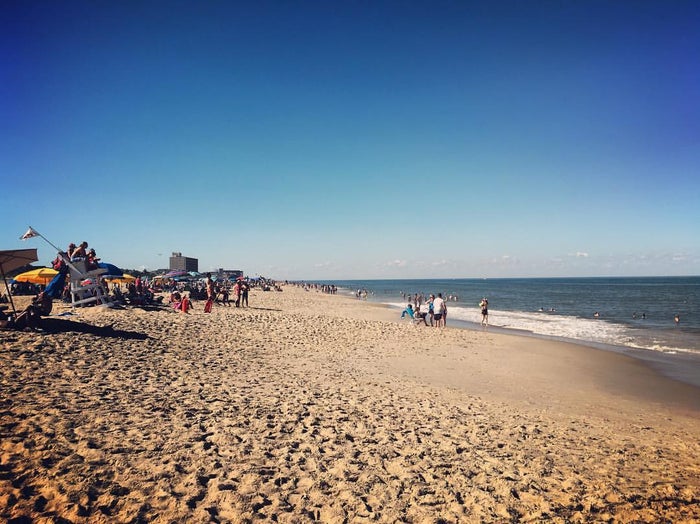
x,y
211,294
438,306
484,305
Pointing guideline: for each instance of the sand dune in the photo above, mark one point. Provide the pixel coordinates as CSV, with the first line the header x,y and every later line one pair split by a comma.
x,y
307,407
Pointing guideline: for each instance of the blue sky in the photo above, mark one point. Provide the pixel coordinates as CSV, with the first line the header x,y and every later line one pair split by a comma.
x,y
336,140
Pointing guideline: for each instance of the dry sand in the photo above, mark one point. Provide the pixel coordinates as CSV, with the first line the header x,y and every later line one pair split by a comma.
x,y
307,407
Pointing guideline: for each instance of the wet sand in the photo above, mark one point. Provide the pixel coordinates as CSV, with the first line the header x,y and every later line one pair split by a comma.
x,y
307,407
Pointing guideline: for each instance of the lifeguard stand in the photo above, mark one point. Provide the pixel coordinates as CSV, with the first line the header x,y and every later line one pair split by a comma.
x,y
82,294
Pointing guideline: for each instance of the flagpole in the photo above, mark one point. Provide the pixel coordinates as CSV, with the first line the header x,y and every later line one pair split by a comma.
x,y
63,254
46,239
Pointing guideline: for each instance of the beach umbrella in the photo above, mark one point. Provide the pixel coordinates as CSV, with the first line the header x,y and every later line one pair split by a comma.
x,y
40,275
11,259
125,278
175,273
16,258
112,270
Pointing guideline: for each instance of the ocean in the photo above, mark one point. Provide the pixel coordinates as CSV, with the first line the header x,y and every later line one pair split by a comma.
x,y
635,315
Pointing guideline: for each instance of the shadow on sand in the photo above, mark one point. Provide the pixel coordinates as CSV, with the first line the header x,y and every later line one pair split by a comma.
x,y
55,325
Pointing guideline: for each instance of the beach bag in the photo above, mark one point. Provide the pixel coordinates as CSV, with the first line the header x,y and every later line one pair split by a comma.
x,y
208,305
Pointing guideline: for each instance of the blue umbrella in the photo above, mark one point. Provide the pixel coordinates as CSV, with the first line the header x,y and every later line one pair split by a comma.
x,y
112,270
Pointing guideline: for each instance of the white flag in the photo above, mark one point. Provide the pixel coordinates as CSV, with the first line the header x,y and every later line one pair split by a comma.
x,y
29,234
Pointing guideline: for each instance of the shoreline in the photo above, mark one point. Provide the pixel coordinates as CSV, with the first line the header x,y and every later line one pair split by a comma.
x,y
633,312
311,407
682,366
659,365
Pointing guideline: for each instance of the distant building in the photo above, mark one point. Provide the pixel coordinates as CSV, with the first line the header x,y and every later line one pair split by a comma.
x,y
223,274
178,262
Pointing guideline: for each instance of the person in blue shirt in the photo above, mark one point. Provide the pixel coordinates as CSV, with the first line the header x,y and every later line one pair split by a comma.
x,y
408,311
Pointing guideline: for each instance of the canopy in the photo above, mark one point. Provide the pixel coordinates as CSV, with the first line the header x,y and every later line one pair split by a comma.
x,y
40,275
13,259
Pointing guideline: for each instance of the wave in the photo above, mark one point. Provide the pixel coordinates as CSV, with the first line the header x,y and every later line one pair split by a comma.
x,y
548,324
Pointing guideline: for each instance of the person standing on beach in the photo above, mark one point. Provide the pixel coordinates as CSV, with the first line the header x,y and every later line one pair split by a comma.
x,y
431,309
484,305
225,295
237,293
438,307
244,293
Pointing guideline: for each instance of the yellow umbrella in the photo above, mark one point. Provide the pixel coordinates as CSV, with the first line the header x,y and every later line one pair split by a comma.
x,y
126,278
42,275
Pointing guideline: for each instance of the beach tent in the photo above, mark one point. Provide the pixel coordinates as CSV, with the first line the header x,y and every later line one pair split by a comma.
x,y
11,259
42,275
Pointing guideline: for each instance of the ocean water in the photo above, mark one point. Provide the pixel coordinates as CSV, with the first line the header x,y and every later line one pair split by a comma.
x,y
634,314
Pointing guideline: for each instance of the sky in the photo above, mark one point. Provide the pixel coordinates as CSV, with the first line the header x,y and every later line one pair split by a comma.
x,y
356,140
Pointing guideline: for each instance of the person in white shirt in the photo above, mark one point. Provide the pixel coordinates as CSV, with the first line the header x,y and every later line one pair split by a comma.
x,y
439,310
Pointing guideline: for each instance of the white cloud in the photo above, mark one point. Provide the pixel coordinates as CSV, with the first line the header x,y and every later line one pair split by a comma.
x,y
396,263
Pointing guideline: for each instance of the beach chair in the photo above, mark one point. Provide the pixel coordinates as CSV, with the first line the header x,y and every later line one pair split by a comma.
x,y
85,287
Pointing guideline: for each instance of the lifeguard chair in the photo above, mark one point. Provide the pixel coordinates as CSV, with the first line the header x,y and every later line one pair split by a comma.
x,y
85,287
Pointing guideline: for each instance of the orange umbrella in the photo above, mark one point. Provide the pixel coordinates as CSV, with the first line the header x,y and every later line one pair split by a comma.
x,y
126,278
42,275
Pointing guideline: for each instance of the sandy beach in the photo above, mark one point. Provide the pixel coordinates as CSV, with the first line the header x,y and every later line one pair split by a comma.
x,y
308,407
